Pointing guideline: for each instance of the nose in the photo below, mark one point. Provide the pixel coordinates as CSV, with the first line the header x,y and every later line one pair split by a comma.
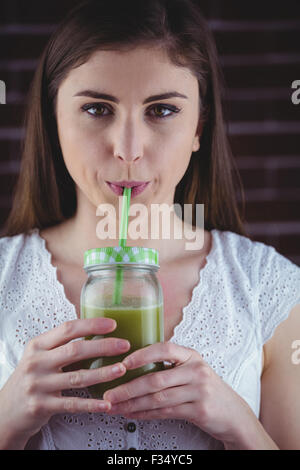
x,y
128,159
128,142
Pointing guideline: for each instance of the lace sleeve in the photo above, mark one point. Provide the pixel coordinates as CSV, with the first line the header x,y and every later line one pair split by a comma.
x,y
278,289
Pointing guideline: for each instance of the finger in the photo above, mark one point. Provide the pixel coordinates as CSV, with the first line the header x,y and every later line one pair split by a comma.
x,y
81,378
169,397
147,384
183,411
158,352
74,405
73,329
84,349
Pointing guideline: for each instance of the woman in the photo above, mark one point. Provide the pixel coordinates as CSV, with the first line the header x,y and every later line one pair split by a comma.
x,y
98,113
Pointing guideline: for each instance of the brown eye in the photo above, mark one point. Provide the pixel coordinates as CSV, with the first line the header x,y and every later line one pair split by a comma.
x,y
96,109
161,111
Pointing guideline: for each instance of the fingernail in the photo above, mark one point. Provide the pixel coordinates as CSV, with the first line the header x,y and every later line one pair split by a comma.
x,y
118,368
123,345
104,405
108,323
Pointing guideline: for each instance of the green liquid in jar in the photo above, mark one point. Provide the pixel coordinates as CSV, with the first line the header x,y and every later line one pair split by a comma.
x,y
141,326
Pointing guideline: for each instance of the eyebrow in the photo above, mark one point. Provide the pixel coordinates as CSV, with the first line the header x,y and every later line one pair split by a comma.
x,y
104,96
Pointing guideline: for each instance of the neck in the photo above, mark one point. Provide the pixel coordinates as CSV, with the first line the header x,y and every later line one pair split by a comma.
x,y
92,229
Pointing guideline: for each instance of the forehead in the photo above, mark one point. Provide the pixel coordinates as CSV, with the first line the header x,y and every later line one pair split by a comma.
x,y
140,70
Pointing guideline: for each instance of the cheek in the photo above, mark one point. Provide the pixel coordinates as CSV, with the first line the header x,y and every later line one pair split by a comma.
x,y
184,137
79,149
178,150
177,158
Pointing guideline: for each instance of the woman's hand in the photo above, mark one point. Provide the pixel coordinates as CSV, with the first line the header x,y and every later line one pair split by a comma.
x,y
32,394
190,390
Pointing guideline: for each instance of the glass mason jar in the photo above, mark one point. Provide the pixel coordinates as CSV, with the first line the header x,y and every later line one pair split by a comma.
x,y
122,285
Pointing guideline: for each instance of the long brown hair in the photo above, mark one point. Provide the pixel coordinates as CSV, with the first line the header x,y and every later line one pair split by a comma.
x,y
45,192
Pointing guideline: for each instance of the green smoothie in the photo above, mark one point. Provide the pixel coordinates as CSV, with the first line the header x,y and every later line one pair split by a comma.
x,y
141,326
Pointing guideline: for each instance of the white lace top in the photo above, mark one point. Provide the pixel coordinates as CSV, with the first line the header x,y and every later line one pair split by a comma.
x,y
244,291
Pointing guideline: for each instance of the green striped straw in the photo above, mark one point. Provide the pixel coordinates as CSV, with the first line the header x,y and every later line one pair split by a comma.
x,y
122,242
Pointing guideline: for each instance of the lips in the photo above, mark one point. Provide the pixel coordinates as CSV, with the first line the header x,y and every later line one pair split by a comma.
x,y
136,187
128,184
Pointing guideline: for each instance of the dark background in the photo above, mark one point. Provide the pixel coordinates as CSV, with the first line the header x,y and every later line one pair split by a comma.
x,y
259,45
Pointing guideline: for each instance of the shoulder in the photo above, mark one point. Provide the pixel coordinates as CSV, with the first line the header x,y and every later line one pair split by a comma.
x,y
8,243
15,242
273,279
17,253
11,248
235,250
263,260
238,246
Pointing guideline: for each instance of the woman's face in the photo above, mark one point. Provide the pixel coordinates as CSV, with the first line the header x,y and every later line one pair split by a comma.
x,y
128,136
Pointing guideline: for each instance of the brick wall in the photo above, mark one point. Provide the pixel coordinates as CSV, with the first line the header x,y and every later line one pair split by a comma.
x,y
260,53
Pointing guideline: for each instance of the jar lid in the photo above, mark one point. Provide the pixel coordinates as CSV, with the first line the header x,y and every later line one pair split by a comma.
x,y
121,255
